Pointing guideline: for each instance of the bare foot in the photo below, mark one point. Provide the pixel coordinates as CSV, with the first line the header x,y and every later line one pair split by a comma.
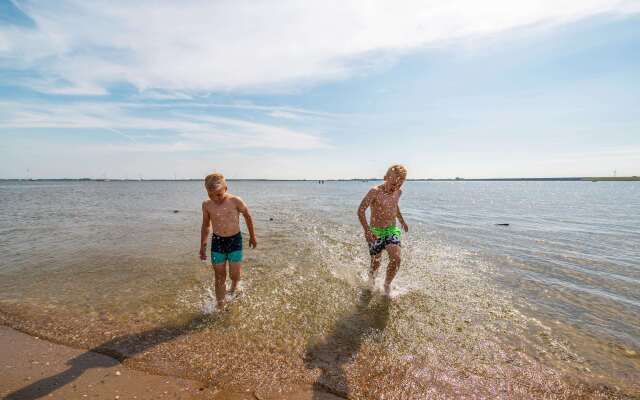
x,y
234,293
387,289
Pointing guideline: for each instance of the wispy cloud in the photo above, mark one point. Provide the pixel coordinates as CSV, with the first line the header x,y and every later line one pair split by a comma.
x,y
121,134
156,94
274,111
250,134
56,86
229,45
186,130
284,114
143,148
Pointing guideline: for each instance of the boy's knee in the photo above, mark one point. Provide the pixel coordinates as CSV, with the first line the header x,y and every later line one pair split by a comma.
x,y
221,276
394,258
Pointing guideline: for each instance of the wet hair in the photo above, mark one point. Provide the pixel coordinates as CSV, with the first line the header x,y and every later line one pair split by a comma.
x,y
398,170
213,180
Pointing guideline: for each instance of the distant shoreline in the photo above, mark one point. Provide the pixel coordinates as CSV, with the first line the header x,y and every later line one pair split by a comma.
x,y
570,179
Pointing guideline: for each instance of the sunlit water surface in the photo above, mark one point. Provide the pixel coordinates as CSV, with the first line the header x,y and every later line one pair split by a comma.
x,y
548,306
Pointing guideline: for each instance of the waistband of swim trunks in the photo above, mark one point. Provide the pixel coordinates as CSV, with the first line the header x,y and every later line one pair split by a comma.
x,y
215,236
386,231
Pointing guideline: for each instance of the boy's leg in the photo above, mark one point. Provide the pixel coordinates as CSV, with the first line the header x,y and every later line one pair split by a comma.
x,y
394,263
221,278
234,273
375,264
235,262
375,251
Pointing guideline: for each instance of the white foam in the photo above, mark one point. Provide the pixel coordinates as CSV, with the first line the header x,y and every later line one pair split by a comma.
x,y
208,301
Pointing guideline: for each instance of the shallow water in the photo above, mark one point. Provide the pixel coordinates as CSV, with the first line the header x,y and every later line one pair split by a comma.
x,y
545,307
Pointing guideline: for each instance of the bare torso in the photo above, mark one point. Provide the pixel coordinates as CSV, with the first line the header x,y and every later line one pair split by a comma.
x,y
225,216
384,207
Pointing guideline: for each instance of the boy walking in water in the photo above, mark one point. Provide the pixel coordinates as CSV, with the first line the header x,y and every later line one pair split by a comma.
x,y
383,233
222,211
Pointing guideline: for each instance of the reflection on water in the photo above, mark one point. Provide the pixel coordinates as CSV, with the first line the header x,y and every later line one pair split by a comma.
x,y
546,307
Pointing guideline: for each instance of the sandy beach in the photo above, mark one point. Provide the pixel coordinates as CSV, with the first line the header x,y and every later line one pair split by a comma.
x,y
33,368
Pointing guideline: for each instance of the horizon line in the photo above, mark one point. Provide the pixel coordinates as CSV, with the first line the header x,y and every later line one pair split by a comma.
x,y
456,179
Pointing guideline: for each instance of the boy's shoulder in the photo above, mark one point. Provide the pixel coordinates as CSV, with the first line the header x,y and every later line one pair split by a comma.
x,y
380,189
375,189
236,200
233,197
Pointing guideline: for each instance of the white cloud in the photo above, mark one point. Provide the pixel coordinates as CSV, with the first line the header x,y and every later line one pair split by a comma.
x,y
186,130
144,148
251,134
51,86
284,114
228,45
164,95
5,44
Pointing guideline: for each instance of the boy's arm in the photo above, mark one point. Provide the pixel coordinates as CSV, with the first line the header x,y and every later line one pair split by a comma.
x,y
404,224
362,216
244,210
204,231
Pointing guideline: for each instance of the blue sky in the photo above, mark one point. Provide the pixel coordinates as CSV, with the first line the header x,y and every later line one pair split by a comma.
x,y
281,90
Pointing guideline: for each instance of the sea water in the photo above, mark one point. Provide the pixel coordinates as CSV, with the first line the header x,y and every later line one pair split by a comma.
x,y
547,305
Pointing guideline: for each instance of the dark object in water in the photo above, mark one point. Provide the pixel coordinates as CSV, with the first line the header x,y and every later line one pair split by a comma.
x,y
270,219
176,211
502,224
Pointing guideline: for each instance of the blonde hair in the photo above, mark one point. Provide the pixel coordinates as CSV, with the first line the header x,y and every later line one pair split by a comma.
x,y
398,170
213,180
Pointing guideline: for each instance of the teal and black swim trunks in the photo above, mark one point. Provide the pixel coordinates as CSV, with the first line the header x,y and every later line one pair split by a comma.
x,y
384,237
226,248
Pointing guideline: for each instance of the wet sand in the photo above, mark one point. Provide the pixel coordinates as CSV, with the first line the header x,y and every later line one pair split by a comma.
x,y
347,361
34,368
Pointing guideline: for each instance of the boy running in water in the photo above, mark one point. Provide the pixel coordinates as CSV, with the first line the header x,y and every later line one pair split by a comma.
x,y
222,212
383,233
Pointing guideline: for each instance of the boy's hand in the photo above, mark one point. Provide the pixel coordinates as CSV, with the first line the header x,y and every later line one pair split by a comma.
x,y
253,243
203,254
405,227
369,236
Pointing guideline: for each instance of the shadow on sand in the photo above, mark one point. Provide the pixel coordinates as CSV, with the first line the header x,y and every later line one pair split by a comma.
x,y
344,342
120,348
330,354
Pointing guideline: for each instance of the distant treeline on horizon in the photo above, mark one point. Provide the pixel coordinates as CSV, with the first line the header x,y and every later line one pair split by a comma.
x,y
457,179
